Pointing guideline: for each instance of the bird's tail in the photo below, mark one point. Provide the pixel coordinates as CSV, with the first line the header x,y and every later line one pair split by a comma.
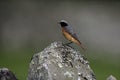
x,y
83,48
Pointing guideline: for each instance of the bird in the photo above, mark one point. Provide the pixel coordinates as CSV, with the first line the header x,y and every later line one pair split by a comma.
x,y
69,34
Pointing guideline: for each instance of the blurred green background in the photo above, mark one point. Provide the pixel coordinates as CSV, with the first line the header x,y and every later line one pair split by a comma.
x,y
27,27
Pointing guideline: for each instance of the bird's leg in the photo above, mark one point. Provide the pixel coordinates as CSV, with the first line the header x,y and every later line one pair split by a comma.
x,y
67,44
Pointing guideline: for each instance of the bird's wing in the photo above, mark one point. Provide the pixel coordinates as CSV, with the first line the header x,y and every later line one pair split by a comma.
x,y
70,31
75,36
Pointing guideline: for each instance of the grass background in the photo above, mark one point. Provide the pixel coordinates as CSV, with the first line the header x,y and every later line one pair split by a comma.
x,y
102,64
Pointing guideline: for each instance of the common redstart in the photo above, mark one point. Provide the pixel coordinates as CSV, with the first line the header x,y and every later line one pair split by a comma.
x,y
69,34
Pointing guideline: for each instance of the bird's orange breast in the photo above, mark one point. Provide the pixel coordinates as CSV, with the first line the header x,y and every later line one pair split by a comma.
x,y
70,37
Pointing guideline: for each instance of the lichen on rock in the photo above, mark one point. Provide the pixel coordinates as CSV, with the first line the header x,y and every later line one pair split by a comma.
x,y
60,62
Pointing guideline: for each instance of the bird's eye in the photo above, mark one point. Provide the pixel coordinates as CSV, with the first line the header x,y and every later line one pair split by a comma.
x,y
63,24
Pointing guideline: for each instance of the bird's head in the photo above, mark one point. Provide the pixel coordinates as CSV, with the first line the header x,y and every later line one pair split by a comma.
x,y
63,23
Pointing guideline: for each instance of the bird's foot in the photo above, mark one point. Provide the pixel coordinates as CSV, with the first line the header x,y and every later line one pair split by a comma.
x,y
68,44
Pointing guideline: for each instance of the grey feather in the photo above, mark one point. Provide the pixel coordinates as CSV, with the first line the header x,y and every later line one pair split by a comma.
x,y
68,28
70,31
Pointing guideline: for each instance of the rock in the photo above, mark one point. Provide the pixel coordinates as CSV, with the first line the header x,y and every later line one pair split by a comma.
x,y
59,62
111,77
6,74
